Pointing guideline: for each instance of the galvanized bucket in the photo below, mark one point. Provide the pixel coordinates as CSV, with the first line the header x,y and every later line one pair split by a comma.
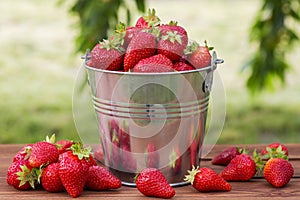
x,y
151,119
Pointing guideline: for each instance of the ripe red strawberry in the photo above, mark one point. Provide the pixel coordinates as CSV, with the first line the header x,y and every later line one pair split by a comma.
x,y
43,153
50,179
240,168
155,64
224,157
73,169
198,56
131,32
275,150
181,66
21,175
151,182
63,145
141,46
148,21
24,153
100,178
278,172
206,180
173,41
175,160
106,55
152,156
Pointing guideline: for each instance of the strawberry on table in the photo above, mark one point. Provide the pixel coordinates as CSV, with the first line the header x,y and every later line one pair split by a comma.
x,y
100,178
43,153
198,56
63,145
155,64
142,45
224,157
24,153
241,168
278,172
50,179
151,182
107,55
206,180
275,150
73,169
21,175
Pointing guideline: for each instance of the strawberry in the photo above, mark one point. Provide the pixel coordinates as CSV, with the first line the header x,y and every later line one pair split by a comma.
x,y
63,145
278,172
24,153
224,157
206,180
141,46
152,156
21,175
50,179
100,178
43,153
198,56
151,182
173,41
106,55
175,160
181,66
157,63
241,168
73,169
275,150
148,21
131,32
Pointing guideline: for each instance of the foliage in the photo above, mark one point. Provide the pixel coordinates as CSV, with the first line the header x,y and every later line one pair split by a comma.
x,y
274,32
96,17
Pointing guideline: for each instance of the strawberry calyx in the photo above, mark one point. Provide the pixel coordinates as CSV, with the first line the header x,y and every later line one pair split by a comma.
x,y
114,42
173,23
275,153
50,139
259,162
28,175
151,18
191,176
172,37
78,150
191,47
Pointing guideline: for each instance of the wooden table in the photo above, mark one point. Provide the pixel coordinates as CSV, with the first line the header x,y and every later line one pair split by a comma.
x,y
257,188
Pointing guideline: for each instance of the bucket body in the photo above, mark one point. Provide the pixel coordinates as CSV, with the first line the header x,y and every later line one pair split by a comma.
x,y
151,120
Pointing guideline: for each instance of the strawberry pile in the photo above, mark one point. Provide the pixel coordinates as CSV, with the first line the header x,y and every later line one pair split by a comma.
x,y
239,166
56,167
272,161
149,46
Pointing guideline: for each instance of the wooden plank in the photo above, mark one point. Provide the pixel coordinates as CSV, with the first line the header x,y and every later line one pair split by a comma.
x,y
256,188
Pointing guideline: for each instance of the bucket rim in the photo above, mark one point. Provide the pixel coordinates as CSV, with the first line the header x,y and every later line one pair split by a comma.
x,y
211,67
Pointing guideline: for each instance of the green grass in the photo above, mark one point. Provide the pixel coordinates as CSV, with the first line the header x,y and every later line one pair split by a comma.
x,y
38,69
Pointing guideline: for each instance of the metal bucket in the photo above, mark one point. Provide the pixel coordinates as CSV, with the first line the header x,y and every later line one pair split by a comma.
x,y
151,119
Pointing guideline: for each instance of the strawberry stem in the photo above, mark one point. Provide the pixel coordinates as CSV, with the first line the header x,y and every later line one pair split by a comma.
x,y
191,176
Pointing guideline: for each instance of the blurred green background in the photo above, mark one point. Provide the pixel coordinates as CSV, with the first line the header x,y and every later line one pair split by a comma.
x,y
39,66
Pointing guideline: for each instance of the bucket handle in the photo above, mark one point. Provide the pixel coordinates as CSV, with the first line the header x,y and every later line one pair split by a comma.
x,y
208,80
